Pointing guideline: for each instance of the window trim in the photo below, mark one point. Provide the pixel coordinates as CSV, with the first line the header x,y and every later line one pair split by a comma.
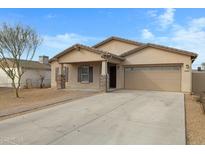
x,y
84,74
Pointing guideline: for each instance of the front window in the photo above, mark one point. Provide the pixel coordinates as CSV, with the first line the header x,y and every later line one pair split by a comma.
x,y
84,74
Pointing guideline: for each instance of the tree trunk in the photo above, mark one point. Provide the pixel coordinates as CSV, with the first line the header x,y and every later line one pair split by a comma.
x,y
16,89
17,92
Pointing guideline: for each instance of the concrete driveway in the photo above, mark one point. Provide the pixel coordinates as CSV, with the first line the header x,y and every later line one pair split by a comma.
x,y
122,117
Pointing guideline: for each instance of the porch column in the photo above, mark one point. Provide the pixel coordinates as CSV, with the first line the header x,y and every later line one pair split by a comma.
x,y
104,68
104,77
61,69
61,78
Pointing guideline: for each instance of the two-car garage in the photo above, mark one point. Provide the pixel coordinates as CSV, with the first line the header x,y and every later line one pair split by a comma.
x,y
158,68
163,78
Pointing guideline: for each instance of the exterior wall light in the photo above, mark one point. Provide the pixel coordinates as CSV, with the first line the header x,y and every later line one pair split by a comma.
x,y
187,67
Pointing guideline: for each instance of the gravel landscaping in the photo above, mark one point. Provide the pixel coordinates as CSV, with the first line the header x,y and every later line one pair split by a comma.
x,y
33,99
195,121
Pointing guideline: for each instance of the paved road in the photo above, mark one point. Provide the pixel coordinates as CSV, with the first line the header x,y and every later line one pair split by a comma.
x,y
123,117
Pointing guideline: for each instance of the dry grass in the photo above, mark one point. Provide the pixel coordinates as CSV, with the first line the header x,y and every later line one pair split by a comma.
x,y
35,99
195,121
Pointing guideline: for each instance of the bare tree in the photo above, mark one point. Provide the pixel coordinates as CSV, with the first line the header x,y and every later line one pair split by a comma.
x,y
16,43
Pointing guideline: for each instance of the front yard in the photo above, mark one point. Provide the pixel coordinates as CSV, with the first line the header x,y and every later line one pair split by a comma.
x,y
33,99
195,121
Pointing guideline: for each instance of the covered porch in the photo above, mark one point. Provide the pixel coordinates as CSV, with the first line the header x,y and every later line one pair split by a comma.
x,y
93,75
82,67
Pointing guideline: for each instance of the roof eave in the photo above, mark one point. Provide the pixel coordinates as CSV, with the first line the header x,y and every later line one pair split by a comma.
x,y
179,51
76,46
119,39
118,57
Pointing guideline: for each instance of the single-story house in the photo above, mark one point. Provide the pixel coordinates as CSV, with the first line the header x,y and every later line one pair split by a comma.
x,y
34,73
118,63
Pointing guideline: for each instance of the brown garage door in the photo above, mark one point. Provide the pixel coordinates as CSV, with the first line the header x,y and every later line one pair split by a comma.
x,y
164,78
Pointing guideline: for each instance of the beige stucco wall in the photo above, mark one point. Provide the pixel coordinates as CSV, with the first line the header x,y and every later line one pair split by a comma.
x,y
54,64
157,56
114,60
117,47
30,77
81,55
120,76
5,81
73,75
76,58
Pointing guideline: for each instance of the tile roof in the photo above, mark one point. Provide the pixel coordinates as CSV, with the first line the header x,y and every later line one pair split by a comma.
x,y
35,65
76,46
29,64
170,49
118,39
122,56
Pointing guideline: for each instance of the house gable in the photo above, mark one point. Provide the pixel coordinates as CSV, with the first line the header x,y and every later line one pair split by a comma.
x,y
79,55
160,47
152,55
117,45
82,53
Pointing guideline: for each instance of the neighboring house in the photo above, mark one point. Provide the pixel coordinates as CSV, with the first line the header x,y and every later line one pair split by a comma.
x,y
34,71
129,65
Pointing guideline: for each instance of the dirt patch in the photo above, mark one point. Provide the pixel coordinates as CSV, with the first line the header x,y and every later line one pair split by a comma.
x,y
34,99
195,121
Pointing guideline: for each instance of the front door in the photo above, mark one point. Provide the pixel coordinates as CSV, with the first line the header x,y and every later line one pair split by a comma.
x,y
112,75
